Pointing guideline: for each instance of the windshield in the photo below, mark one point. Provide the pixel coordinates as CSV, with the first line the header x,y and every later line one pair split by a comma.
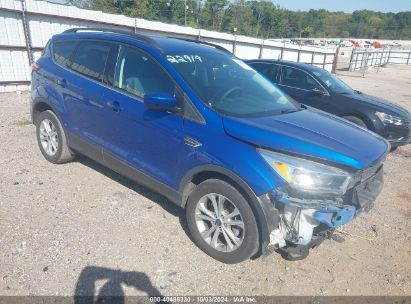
x,y
229,85
335,84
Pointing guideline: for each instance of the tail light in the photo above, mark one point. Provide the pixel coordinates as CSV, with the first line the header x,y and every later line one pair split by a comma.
x,y
35,66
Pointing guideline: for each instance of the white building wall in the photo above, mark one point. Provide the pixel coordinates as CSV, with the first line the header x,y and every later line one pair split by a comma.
x,y
45,19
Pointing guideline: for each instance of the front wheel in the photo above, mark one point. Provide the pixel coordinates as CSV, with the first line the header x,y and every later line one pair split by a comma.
x,y
221,222
357,121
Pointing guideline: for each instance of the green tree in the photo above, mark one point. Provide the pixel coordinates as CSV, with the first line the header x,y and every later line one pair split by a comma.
x,y
261,18
238,18
212,13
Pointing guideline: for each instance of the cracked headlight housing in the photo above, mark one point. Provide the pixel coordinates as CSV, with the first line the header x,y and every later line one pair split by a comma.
x,y
388,119
308,176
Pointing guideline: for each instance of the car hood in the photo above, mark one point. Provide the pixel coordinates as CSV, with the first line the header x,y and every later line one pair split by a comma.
x,y
380,104
313,134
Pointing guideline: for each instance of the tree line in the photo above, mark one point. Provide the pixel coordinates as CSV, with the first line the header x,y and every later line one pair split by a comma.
x,y
261,18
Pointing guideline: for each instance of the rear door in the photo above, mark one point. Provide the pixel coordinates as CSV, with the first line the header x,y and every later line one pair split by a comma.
x,y
147,140
303,87
57,73
84,87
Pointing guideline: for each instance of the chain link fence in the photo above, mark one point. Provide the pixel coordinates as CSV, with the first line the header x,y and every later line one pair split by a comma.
x,y
365,59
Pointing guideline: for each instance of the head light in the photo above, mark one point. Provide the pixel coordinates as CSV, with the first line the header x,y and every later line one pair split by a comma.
x,y
308,176
389,119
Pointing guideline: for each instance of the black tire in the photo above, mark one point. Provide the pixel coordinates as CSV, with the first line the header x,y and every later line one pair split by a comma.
x,y
357,121
393,149
250,242
63,153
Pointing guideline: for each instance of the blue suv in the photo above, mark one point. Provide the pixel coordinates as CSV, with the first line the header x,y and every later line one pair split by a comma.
x,y
254,170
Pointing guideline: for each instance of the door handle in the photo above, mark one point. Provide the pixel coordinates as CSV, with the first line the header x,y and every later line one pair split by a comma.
x,y
62,82
114,105
318,91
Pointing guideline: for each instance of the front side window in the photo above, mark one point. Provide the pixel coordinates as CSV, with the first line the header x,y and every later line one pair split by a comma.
x,y
90,59
138,74
62,51
228,85
297,79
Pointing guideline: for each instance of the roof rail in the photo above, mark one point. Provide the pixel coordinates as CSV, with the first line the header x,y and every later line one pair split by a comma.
x,y
205,43
116,31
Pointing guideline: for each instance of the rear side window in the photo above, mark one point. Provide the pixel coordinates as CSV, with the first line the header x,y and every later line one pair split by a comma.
x,y
62,51
90,59
268,70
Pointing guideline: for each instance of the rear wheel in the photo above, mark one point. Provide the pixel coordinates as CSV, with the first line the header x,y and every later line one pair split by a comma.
x,y
221,222
52,139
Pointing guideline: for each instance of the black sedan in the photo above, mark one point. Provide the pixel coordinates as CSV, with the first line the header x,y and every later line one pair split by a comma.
x,y
320,89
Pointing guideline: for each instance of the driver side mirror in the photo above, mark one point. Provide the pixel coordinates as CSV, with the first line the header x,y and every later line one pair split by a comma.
x,y
318,91
161,102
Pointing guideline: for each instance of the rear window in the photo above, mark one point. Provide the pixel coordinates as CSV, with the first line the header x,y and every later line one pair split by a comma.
x,y
90,59
62,51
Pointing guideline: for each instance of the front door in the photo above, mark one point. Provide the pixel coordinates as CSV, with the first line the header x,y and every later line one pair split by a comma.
x,y
147,140
304,88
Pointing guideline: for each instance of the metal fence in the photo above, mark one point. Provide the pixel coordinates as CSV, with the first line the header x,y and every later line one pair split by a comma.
x,y
27,25
362,60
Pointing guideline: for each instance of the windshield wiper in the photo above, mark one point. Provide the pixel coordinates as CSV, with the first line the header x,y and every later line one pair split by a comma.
x,y
286,111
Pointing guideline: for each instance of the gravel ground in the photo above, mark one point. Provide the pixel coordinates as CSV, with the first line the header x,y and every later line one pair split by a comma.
x,y
65,228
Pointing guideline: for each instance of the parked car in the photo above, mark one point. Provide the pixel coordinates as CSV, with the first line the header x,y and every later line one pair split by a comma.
x,y
377,45
254,171
320,89
367,44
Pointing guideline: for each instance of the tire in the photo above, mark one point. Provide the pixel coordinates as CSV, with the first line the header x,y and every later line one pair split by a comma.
x,y
356,120
247,237
393,149
52,140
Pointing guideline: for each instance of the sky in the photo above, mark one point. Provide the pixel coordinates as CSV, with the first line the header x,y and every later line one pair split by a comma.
x,y
347,5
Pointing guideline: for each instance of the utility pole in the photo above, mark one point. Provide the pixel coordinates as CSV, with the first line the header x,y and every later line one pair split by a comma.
x,y
185,12
198,10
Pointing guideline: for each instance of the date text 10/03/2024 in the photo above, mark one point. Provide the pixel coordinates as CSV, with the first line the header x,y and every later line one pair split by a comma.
x,y
204,299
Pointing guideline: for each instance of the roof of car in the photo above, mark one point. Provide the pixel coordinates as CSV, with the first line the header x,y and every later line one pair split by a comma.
x,y
171,44
305,66
161,43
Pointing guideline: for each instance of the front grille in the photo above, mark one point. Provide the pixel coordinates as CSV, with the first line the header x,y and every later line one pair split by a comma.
x,y
401,140
369,185
362,175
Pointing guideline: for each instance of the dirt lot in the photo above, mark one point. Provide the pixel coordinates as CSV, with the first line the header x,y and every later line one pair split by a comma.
x,y
64,227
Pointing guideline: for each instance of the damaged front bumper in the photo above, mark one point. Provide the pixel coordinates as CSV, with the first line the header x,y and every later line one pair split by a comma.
x,y
305,221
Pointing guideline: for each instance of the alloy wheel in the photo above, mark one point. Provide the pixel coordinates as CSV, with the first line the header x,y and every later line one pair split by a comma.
x,y
48,137
219,222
